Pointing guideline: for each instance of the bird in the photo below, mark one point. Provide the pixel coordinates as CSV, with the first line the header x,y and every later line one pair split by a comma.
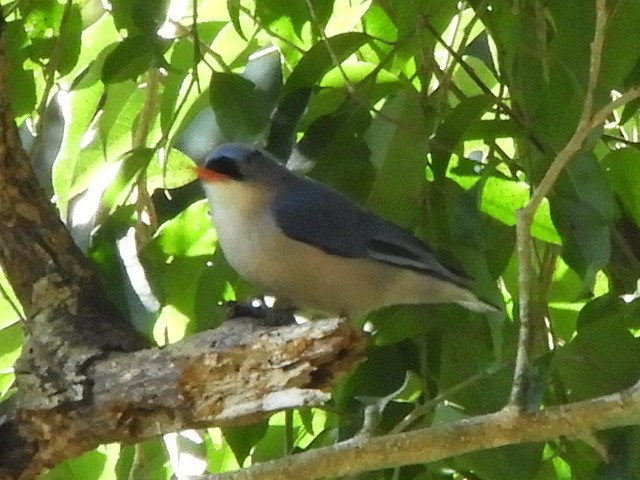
x,y
309,244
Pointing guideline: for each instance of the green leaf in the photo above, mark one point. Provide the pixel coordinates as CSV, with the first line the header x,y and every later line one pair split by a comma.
x,y
377,23
502,198
346,16
452,130
8,304
622,168
128,172
83,105
592,364
122,14
387,364
233,8
589,184
399,156
97,40
586,237
90,166
620,51
185,274
467,351
149,16
131,57
20,82
182,55
11,339
395,324
240,107
285,120
481,71
220,457
6,382
290,18
41,17
96,464
148,460
317,61
188,234
179,171
71,39
105,258
117,95
504,463
243,439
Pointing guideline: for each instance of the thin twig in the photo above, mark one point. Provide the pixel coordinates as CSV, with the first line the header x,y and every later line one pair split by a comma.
x,y
332,54
525,215
143,202
268,31
216,56
425,407
587,118
601,115
50,68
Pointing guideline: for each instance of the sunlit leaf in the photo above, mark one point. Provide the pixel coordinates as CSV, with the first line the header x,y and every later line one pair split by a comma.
x,y
452,129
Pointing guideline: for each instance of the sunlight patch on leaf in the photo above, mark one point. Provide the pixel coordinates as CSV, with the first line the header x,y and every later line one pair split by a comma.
x,y
502,198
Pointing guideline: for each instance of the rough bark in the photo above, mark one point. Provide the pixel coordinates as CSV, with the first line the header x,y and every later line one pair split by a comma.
x,y
233,375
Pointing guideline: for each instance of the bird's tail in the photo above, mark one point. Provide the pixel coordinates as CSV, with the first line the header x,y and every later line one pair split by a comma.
x,y
473,303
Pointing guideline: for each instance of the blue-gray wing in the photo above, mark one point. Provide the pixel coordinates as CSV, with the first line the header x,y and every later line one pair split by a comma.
x,y
314,214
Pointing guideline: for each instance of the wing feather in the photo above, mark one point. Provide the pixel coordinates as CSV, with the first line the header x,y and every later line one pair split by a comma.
x,y
314,214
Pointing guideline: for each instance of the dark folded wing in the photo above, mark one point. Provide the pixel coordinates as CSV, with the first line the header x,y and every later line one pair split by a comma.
x,y
314,214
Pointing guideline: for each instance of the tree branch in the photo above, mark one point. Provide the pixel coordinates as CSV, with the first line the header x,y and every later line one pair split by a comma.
x,y
525,215
443,441
233,375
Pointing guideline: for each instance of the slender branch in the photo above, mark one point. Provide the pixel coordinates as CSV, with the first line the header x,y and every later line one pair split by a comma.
x,y
51,67
268,31
199,44
425,407
601,115
145,120
586,122
519,392
431,444
332,54
525,215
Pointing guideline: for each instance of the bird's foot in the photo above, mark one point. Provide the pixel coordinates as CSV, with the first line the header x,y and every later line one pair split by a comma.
x,y
268,315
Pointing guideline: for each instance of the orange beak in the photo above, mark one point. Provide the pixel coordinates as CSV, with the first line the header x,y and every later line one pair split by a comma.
x,y
209,176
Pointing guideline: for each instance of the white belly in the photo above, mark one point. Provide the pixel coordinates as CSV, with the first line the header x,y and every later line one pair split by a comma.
x,y
244,242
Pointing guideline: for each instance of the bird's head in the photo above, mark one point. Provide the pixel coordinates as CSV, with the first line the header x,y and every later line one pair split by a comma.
x,y
239,163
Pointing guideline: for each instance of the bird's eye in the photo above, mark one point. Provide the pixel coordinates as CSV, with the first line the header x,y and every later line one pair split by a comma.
x,y
226,166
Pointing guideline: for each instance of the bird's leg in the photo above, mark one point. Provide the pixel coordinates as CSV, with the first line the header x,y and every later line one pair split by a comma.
x,y
277,315
246,309
281,313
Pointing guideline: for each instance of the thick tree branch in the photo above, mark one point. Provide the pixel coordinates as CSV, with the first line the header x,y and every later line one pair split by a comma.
x,y
431,444
233,375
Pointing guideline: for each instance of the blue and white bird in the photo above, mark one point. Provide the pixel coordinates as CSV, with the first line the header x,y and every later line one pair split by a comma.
x,y
308,244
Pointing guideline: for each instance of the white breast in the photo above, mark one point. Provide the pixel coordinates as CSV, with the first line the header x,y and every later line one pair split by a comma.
x,y
244,227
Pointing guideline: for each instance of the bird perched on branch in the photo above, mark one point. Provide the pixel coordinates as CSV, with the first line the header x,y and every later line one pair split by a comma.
x,y
309,244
